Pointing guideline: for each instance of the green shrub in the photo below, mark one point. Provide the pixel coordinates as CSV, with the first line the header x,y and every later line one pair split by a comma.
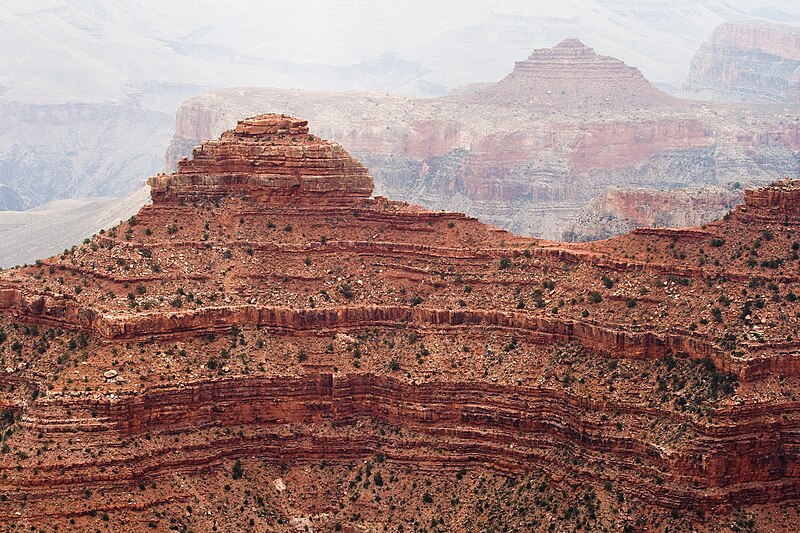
x,y
237,470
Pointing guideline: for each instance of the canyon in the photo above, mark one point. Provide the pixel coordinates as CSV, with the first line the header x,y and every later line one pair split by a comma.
x,y
618,211
271,346
533,152
127,70
748,61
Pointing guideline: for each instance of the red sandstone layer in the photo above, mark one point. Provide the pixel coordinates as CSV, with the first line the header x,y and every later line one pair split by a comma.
x,y
224,323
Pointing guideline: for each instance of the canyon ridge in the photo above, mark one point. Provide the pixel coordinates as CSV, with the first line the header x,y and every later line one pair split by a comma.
x,y
748,61
269,346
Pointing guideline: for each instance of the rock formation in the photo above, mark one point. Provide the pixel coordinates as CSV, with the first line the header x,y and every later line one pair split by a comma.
x,y
270,159
748,61
573,75
618,211
529,152
267,346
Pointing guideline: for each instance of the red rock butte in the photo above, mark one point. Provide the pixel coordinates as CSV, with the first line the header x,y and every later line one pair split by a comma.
x,y
267,347
271,159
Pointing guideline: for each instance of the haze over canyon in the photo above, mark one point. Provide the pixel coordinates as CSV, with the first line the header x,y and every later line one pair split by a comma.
x,y
99,116
400,266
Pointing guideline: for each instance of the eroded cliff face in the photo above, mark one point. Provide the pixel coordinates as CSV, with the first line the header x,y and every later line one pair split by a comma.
x,y
53,152
529,152
619,211
267,345
748,61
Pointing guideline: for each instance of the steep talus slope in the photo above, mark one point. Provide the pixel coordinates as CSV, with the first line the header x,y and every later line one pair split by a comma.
x,y
529,152
748,61
267,346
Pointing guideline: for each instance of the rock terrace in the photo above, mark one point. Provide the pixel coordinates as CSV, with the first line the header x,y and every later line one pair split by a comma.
x,y
267,346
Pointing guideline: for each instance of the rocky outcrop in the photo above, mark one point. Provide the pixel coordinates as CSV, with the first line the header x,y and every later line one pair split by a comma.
x,y
267,315
782,198
778,204
271,159
748,61
529,152
619,211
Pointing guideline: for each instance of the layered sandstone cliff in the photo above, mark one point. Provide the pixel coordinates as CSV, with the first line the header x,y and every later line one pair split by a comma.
x,y
269,159
267,346
748,61
529,152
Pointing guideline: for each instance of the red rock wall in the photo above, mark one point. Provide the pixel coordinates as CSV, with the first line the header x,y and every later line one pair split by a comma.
x,y
507,428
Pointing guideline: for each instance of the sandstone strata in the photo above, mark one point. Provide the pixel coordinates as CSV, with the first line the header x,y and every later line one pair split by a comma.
x,y
263,352
529,152
748,61
269,159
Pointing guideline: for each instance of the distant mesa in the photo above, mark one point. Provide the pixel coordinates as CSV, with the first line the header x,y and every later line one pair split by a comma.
x,y
269,158
572,72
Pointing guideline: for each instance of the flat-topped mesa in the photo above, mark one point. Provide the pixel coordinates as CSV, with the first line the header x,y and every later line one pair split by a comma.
x,y
573,73
778,202
268,159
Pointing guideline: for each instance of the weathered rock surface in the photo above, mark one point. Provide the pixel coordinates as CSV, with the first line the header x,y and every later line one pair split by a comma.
x,y
270,159
529,152
239,331
748,61
571,74
618,211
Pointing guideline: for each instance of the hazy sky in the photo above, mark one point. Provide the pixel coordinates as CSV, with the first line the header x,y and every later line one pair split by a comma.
x,y
81,50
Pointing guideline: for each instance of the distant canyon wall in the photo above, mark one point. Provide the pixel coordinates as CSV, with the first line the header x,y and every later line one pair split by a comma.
x,y
748,61
526,172
618,211
74,150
